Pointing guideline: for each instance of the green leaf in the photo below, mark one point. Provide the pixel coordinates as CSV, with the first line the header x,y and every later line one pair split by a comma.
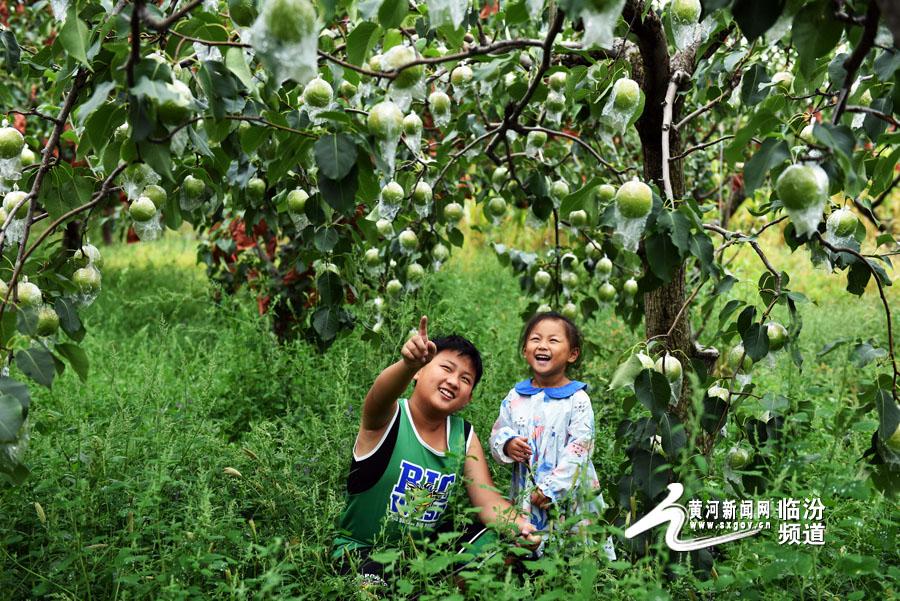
x,y
340,194
626,373
754,17
838,138
702,249
888,412
361,41
679,228
326,322
653,391
68,318
101,92
662,256
771,154
326,239
672,433
75,36
37,363
11,51
56,193
392,13
237,64
11,418
864,353
714,409
16,389
873,125
330,288
815,32
335,155
887,63
858,278
751,92
76,357
756,341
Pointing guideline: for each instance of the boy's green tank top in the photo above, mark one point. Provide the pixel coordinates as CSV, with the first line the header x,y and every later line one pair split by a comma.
x,y
403,485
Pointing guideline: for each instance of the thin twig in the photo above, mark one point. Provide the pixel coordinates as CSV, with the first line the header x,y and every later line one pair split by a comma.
x,y
209,42
164,24
458,154
699,147
35,112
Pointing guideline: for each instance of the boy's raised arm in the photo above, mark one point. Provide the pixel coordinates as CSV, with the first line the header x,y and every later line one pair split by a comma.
x,y
379,405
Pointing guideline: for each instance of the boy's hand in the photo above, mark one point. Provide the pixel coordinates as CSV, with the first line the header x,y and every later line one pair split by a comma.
x,y
539,499
418,350
518,449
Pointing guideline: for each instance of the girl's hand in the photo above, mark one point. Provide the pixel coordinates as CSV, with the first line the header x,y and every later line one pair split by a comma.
x,y
526,534
539,499
518,449
418,350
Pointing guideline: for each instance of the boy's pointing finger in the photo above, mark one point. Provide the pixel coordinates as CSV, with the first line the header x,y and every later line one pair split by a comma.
x,y
423,327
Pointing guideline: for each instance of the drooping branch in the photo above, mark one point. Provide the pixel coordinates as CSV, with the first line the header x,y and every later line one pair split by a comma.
x,y
741,237
852,64
884,302
580,142
78,83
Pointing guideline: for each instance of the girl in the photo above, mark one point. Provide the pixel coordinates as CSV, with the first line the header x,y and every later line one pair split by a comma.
x,y
546,426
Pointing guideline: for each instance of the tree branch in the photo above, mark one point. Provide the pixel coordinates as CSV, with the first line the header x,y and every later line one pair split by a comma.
x,y
852,64
512,115
864,109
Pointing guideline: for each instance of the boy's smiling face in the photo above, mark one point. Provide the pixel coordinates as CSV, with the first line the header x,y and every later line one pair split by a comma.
x,y
547,350
445,383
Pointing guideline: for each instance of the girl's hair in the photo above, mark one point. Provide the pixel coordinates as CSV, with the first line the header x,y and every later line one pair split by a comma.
x,y
572,331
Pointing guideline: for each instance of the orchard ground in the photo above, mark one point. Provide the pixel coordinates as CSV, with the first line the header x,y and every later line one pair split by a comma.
x,y
128,468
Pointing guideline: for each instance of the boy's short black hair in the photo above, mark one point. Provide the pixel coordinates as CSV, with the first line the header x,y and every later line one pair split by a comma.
x,y
572,331
463,347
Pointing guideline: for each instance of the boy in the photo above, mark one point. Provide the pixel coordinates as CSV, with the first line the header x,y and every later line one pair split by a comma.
x,y
409,455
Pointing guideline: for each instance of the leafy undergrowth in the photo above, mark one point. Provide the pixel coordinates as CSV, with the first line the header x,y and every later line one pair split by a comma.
x,y
128,498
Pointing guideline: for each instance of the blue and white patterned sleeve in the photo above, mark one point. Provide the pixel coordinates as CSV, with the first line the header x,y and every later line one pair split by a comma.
x,y
575,455
503,430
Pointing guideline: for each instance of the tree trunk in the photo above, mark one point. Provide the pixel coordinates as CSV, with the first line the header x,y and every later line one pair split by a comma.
x,y
661,306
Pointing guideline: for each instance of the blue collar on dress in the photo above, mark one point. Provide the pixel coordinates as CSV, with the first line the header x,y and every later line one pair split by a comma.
x,y
525,388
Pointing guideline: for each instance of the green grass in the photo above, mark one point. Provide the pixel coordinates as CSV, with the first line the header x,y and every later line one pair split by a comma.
x,y
128,468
